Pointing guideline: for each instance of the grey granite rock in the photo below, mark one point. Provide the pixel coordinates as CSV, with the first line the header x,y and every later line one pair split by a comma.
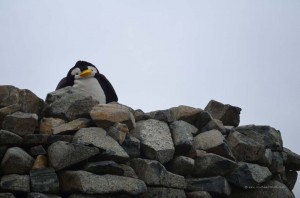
x,y
20,123
182,165
15,183
214,124
104,167
229,115
63,154
72,126
118,131
248,175
132,146
217,186
16,161
213,142
98,138
44,180
291,179
210,165
9,138
85,182
154,192
156,140
154,173
68,103
277,163
198,194
37,150
292,161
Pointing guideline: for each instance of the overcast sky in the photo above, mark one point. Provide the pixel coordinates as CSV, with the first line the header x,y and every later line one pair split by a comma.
x,y
160,54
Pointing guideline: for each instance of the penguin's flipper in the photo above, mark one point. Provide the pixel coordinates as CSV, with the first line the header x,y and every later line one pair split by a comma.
x,y
108,89
64,83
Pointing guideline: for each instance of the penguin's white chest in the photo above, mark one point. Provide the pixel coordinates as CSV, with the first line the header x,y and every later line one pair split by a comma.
x,y
92,87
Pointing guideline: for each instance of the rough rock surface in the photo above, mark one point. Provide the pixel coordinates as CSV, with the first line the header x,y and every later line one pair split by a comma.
x,y
82,181
9,138
151,133
47,124
163,192
15,183
182,165
44,180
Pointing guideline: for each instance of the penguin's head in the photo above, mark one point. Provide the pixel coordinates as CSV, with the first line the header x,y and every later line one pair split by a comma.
x,y
82,69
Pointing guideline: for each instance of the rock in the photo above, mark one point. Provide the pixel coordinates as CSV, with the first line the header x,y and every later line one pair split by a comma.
x,y
214,124
211,165
104,167
68,103
63,154
291,179
2,151
266,159
72,126
7,111
194,153
20,123
128,171
97,196
118,131
98,138
248,175
154,192
41,161
7,195
269,189
198,194
9,138
185,113
16,161
213,142
47,125
85,182
35,139
140,115
266,135
229,115
151,133
217,186
182,165
277,163
293,160
106,115
25,99
182,135
15,183
41,195
154,173
55,138
37,150
162,115
44,180
245,148
132,146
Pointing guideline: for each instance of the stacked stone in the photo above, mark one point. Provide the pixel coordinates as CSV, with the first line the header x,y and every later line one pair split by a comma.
x,y
71,146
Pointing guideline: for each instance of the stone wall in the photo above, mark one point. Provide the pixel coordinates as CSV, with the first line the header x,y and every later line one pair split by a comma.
x,y
71,146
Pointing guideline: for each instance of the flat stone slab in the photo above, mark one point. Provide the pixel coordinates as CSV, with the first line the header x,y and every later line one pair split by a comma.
x,y
85,182
156,140
44,180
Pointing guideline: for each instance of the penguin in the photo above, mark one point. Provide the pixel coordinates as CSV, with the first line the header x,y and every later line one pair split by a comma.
x,y
86,76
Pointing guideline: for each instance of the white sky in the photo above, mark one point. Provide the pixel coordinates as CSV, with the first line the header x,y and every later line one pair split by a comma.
x,y
160,54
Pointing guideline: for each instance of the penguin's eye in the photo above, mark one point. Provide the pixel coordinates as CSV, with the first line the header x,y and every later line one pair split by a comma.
x,y
92,68
75,72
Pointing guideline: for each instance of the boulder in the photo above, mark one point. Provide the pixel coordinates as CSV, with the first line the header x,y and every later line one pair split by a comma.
x,y
35,139
151,133
68,103
265,135
118,131
198,194
132,146
182,135
16,161
217,186
128,171
213,142
37,150
182,165
85,182
210,165
15,183
27,101
104,167
248,175
277,166
44,180
245,148
106,115
214,124
163,192
40,162
154,173
20,123
266,159
9,138
292,161
72,126
63,154
98,138
55,138
47,124
4,111
229,115
271,188
291,179
140,115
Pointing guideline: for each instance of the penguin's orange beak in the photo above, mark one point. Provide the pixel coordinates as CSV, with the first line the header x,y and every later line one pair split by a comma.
x,y
86,73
